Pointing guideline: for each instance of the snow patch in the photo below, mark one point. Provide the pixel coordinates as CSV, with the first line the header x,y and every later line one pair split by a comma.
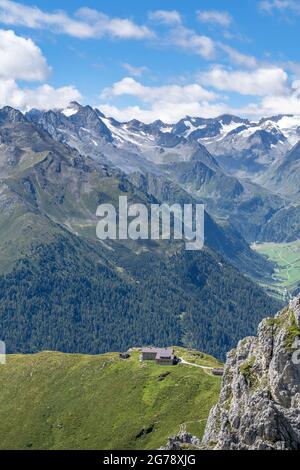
x,y
191,128
70,111
226,128
289,126
166,130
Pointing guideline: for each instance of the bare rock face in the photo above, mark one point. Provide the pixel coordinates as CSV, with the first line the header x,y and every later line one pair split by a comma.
x,y
259,405
181,440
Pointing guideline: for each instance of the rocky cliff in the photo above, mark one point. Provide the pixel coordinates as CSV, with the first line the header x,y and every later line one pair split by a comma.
x,y
183,441
259,405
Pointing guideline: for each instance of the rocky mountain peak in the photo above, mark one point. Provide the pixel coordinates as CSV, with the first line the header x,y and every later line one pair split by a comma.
x,y
72,108
75,104
275,118
227,119
10,115
259,405
99,113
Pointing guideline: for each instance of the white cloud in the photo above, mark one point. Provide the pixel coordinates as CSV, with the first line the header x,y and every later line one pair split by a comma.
x,y
43,97
187,39
222,18
173,93
259,82
86,23
165,111
292,67
121,28
169,103
165,16
274,104
20,58
269,6
135,71
190,41
238,58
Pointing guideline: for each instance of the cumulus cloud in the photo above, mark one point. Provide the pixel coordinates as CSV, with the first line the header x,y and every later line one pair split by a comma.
x,y
21,59
174,93
274,104
190,41
221,18
165,16
259,82
165,111
42,97
86,23
169,103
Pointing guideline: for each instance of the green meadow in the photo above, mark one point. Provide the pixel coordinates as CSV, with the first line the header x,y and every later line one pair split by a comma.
x,y
62,401
286,259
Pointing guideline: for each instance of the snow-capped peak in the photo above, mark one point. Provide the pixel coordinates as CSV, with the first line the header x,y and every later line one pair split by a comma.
x,y
71,109
290,127
241,146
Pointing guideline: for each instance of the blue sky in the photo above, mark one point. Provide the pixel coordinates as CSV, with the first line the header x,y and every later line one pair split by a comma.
x,y
154,59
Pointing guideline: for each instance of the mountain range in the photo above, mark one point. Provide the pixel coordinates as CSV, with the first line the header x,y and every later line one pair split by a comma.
x,y
240,146
245,172
56,166
63,289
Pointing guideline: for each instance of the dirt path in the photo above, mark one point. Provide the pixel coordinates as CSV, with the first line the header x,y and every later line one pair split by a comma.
x,y
182,361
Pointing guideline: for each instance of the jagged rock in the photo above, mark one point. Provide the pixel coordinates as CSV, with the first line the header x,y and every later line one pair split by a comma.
x,y
259,405
295,305
182,438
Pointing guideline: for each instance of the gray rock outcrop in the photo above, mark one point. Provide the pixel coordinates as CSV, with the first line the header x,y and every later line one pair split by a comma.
x,y
181,440
259,405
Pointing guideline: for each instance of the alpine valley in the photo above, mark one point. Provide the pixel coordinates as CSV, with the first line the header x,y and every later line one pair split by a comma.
x,y
62,289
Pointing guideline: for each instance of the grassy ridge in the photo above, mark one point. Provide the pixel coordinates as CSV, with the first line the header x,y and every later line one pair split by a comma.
x,y
63,401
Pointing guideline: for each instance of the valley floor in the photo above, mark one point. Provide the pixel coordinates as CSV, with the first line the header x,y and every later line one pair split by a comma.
x,y
286,276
